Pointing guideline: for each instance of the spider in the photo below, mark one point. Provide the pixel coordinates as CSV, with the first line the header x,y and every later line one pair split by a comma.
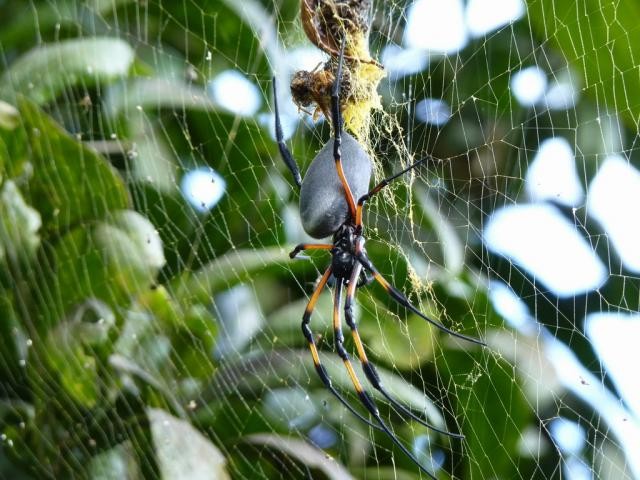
x,y
332,197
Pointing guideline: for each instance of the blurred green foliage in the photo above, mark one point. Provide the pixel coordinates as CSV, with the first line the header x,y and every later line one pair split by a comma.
x,y
109,339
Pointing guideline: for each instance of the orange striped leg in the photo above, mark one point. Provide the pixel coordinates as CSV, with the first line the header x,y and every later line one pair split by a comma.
x,y
308,334
369,369
363,395
365,198
309,246
343,179
336,119
342,352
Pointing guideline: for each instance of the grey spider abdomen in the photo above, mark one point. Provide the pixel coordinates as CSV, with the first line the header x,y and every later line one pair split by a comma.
x,y
323,205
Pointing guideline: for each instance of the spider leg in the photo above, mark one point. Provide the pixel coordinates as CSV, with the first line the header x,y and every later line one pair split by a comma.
x,y
380,186
285,153
309,246
369,369
363,395
336,119
401,299
320,369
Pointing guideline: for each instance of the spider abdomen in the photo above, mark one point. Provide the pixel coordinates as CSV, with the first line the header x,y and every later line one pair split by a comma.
x,y
323,206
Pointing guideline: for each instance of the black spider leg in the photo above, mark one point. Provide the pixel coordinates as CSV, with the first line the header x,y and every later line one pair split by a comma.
x,y
336,119
369,369
401,299
364,198
363,395
308,334
285,153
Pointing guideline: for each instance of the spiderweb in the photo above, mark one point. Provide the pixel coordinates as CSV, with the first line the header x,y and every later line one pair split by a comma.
x,y
167,342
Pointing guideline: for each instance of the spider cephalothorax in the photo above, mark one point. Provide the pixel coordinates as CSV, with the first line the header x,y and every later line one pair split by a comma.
x,y
343,257
332,197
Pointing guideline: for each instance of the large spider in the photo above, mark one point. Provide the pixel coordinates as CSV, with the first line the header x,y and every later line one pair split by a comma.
x,y
328,206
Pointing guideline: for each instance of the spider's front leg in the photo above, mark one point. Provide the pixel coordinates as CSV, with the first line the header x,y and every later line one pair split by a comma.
x,y
285,153
336,119
309,246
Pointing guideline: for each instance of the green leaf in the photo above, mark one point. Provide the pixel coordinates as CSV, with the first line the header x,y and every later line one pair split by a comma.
x,y
13,143
154,162
71,183
142,94
111,261
403,344
69,350
155,310
14,343
235,266
305,453
601,40
24,27
492,409
46,71
19,225
118,463
132,245
182,452
260,371
391,473
448,240
9,116
284,323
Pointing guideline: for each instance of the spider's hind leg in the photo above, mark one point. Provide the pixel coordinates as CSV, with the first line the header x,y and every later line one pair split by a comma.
x,y
363,395
320,368
369,369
